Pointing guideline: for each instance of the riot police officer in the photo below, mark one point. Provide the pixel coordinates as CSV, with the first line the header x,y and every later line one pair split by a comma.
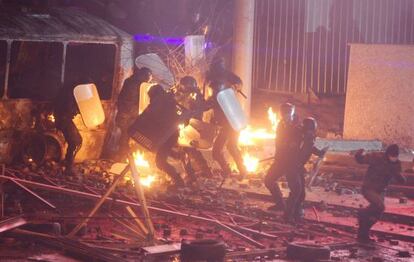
x,y
218,77
65,109
128,107
287,143
296,180
190,98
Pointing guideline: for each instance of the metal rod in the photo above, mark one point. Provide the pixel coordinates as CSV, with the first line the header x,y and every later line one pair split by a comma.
x,y
100,202
129,227
11,223
237,233
33,193
63,190
137,220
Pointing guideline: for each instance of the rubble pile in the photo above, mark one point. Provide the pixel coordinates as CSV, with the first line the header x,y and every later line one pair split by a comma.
x,y
41,207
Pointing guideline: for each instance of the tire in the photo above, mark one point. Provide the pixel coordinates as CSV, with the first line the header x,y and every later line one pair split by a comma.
x,y
308,252
204,250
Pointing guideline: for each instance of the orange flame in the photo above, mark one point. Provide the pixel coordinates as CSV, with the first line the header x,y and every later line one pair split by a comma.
x,y
142,165
140,160
250,135
51,118
272,118
250,162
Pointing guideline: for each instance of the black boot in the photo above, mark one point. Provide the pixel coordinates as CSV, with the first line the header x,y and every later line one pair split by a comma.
x,y
365,225
278,207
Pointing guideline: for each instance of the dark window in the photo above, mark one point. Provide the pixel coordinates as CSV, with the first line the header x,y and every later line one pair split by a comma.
x,y
35,70
3,58
93,63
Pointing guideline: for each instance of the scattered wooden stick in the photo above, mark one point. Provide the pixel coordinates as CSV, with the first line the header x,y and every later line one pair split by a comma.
x,y
137,220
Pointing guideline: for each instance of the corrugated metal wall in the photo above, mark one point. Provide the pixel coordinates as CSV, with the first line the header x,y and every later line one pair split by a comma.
x,y
303,44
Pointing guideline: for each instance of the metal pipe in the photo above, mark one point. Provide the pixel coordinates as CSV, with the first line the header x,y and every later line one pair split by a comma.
x,y
33,193
118,201
100,202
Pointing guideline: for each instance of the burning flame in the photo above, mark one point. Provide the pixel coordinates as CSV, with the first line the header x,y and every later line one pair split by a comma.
x,y
272,118
51,118
147,181
250,162
142,164
140,160
249,135
181,130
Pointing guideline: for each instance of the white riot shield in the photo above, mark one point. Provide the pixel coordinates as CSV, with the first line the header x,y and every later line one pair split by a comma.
x,y
143,96
197,134
89,105
160,71
232,109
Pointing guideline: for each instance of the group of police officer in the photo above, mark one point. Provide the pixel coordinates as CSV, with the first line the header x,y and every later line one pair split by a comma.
x,y
188,97
295,142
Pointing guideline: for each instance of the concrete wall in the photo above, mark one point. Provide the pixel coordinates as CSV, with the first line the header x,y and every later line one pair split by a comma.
x,y
380,94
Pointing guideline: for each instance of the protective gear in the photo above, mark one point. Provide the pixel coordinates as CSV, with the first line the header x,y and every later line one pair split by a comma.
x,y
188,84
287,111
128,107
188,95
296,179
392,150
72,137
275,172
288,140
161,160
217,77
309,124
296,191
160,98
228,138
145,73
128,99
156,91
65,109
190,98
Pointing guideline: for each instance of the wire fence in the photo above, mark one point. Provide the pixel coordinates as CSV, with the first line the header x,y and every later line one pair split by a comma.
x,y
303,45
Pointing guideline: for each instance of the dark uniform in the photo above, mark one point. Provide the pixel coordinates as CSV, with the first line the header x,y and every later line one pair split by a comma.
x,y
65,109
307,148
380,171
128,107
287,143
217,77
190,98
159,98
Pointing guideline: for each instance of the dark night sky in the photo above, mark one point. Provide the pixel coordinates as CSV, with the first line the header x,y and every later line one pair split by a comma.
x,y
169,18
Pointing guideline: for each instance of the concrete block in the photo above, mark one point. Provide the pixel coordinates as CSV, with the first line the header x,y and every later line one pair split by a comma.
x,y
348,145
379,95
